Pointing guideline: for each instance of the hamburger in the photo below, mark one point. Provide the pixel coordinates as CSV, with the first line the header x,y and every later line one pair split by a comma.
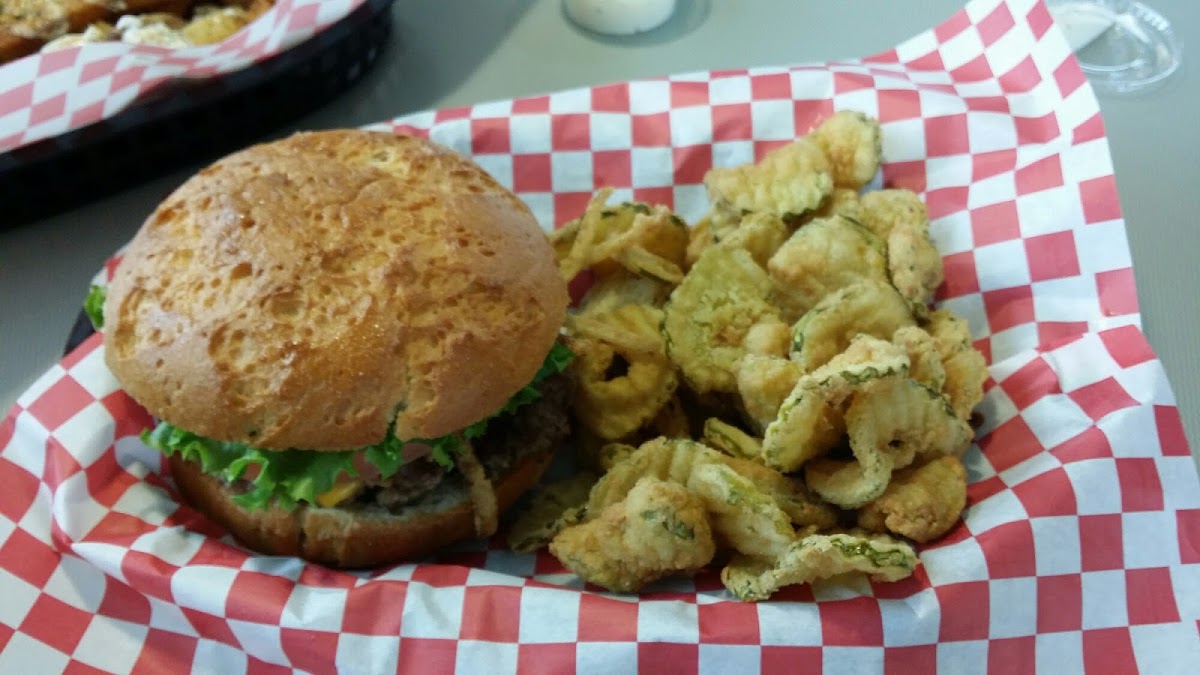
x,y
349,341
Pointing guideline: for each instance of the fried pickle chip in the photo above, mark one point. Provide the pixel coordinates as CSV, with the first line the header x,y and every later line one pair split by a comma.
x,y
723,222
675,460
708,315
769,338
868,307
700,237
663,458
966,372
852,484
742,516
788,182
921,503
914,264
803,507
617,390
760,234
659,529
841,202
923,356
890,422
764,383
881,211
792,496
730,440
552,508
853,142
823,256
791,321
966,369
819,556
811,420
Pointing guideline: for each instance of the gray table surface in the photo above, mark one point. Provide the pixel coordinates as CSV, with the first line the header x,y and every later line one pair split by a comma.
x,y
457,52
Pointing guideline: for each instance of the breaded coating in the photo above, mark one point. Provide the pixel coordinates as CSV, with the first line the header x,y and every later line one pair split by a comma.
x,y
891,422
823,256
869,307
708,315
881,211
792,496
764,383
665,459
759,234
819,556
923,356
841,202
769,338
744,517
811,419
677,459
915,264
659,529
720,435
966,369
921,503
700,236
853,143
788,182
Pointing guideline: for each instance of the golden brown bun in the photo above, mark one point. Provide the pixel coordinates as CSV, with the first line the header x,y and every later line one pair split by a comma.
x,y
353,539
298,293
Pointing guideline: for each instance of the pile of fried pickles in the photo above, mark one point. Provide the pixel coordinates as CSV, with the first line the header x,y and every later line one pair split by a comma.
x,y
767,390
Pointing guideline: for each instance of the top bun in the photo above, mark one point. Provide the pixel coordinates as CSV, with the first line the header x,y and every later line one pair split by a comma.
x,y
305,293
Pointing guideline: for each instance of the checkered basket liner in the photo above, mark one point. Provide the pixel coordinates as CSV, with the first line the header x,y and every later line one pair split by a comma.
x,y
47,94
1080,547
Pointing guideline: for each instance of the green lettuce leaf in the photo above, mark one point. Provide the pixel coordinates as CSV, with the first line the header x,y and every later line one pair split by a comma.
x,y
284,477
291,476
93,305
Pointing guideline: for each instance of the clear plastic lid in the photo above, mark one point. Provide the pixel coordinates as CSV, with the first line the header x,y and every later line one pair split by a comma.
x,y
1123,46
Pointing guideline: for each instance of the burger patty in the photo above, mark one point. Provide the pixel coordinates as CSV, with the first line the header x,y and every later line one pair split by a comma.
x,y
536,428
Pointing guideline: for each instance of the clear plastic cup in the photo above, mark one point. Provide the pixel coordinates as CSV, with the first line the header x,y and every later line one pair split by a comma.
x,y
1123,46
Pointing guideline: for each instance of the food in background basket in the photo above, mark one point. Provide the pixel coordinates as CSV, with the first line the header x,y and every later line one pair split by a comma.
x,y
352,341
29,26
788,337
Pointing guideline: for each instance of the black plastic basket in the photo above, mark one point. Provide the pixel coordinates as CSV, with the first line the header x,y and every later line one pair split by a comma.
x,y
190,121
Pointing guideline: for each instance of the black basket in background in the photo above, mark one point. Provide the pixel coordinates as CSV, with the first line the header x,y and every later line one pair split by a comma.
x,y
190,121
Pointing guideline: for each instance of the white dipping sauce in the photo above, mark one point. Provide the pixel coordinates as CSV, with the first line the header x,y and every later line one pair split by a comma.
x,y
619,17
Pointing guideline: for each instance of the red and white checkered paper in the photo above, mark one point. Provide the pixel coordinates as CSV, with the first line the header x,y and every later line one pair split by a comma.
x,y
47,94
1080,548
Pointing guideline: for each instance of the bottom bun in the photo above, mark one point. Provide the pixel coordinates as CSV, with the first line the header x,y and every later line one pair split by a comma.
x,y
357,537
